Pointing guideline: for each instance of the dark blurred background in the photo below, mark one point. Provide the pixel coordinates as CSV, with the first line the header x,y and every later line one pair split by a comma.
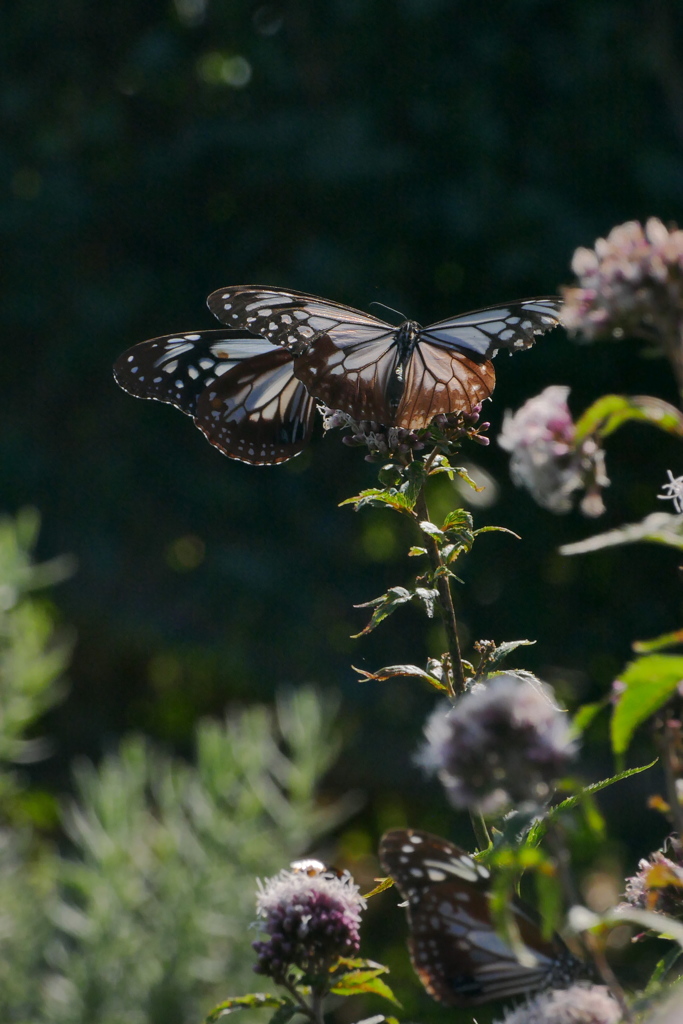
x,y
432,155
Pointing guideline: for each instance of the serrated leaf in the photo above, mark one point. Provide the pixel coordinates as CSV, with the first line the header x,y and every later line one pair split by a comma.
x,y
496,655
382,674
649,681
611,411
657,528
375,497
415,551
364,981
538,829
458,519
464,475
384,606
253,1001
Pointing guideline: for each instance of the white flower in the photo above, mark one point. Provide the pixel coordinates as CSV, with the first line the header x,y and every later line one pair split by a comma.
x,y
675,489
580,1004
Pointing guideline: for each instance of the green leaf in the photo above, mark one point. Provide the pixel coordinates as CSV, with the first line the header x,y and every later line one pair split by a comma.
x,y
384,606
427,598
284,1014
253,1001
430,529
464,475
382,674
611,411
550,901
658,643
459,519
538,829
496,529
657,528
364,981
494,656
390,475
649,681
382,886
375,497
662,968
586,713
413,552
415,477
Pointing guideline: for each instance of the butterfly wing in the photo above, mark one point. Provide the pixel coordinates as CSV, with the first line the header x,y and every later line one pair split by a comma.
x,y
454,947
177,367
258,412
440,381
289,318
244,373
483,332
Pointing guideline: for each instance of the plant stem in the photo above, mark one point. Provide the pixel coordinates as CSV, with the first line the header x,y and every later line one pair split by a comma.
x,y
313,1013
456,678
457,684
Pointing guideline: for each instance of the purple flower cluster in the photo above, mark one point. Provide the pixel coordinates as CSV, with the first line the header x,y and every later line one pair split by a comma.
x,y
312,918
385,442
504,742
546,459
658,883
631,283
580,1004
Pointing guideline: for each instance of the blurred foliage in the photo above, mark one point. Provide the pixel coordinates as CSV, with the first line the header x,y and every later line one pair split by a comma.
x,y
143,915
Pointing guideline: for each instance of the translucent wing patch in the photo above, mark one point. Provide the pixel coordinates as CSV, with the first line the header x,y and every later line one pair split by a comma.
x,y
293,319
483,332
239,389
355,376
177,367
454,946
258,412
442,381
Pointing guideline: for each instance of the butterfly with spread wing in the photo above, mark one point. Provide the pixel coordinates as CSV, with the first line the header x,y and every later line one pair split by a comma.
x,y
456,952
399,376
239,389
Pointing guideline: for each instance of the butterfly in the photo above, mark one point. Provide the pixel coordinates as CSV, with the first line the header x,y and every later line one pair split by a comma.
x,y
400,376
454,947
239,389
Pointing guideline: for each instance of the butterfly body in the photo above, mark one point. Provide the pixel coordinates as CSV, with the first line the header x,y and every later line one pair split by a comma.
x,y
399,376
455,949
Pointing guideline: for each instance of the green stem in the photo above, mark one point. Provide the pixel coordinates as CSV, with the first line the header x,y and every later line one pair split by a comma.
x,y
456,684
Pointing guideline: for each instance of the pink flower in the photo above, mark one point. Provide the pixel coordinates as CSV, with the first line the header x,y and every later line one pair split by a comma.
x,y
545,457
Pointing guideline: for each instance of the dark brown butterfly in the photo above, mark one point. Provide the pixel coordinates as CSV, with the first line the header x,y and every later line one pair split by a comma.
x,y
399,376
239,389
455,950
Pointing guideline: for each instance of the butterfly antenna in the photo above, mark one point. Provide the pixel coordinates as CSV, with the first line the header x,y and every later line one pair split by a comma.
x,y
390,308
